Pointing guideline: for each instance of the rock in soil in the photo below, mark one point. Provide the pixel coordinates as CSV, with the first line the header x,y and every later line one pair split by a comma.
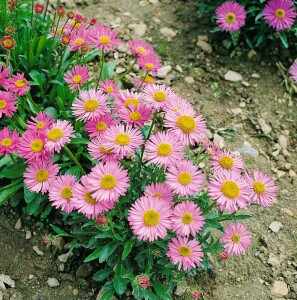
x,y
275,226
279,289
52,282
7,280
232,76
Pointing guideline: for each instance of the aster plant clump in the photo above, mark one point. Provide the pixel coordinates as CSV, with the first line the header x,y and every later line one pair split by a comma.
x,y
120,167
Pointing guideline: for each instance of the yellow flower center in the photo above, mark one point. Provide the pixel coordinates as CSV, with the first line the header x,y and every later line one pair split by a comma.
x,y
280,13
54,134
226,162
104,39
36,146
149,66
230,189
122,139
259,187
135,116
230,18
7,142
7,43
134,101
89,198
141,50
59,31
151,217
75,24
186,124
100,126
149,79
184,178
108,182
40,125
187,218
42,175
91,105
79,42
20,83
164,149
66,193
3,104
184,251
109,89
77,79
159,96
157,195
105,151
236,238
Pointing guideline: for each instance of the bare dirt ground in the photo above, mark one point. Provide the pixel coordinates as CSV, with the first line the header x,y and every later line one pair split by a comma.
x,y
255,112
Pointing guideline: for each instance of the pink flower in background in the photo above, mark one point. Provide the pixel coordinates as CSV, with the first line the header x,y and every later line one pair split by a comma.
x,y
76,77
143,83
150,63
149,218
164,149
162,191
262,188
280,14
230,191
7,104
236,239
293,71
78,39
61,193
3,75
90,104
210,147
140,48
135,115
127,98
178,105
41,122
225,160
230,16
17,85
187,219
185,253
39,176
8,141
107,182
184,178
109,87
97,151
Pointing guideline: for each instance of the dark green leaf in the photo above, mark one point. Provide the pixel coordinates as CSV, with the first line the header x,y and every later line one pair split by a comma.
x,y
127,249
161,290
15,171
151,295
79,141
107,251
93,255
107,295
9,192
119,285
102,274
60,231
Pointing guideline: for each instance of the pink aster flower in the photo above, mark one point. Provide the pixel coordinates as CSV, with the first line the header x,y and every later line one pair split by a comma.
x,y
186,219
58,135
162,191
7,104
78,39
8,141
210,147
149,218
40,176
77,76
279,14
32,147
178,104
85,203
186,126
262,189
90,104
107,182
230,16
150,63
293,71
61,193
230,191
158,96
225,160
109,87
41,122
97,151
135,115
18,85
3,75
126,98
184,178
98,125
140,48
185,253
236,239
143,83
123,140
103,37
164,149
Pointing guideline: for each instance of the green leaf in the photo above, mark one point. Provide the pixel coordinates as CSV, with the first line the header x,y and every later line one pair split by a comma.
x,y
5,160
33,206
108,70
107,295
37,77
161,290
283,38
79,141
93,255
107,251
28,195
15,182
104,235
9,192
119,285
15,171
127,248
60,231
102,274
74,171
151,295
52,111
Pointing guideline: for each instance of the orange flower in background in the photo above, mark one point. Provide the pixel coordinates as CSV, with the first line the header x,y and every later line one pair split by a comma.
x,y
10,30
7,42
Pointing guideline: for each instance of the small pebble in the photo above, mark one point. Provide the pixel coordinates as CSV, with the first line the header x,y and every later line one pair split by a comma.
x,y
52,282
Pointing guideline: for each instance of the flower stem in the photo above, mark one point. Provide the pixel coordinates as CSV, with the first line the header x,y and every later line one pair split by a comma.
x,y
5,13
128,71
45,11
146,73
71,155
102,64
32,13
7,58
12,158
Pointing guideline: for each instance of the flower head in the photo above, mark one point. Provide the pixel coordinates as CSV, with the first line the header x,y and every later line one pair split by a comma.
x,y
187,254
127,98
3,75
77,76
109,87
135,115
78,40
18,85
7,42
224,160
149,218
60,11
39,8
178,104
143,82
279,14
97,151
236,239
140,48
41,122
150,63
293,71
7,104
230,16
8,141
162,191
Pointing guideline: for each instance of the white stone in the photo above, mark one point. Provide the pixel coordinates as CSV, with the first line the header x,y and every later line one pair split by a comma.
x,y
189,79
252,53
31,276
18,224
273,260
236,111
245,83
28,235
219,140
203,38
288,211
180,290
38,251
64,257
1,295
7,280
255,75
163,71
283,141
264,126
279,289
203,45
120,70
168,32
179,69
232,76
275,226
280,174
292,173
153,1
139,29
53,282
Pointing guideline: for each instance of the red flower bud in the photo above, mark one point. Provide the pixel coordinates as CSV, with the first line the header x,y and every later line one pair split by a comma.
x,y
144,282
223,256
101,220
195,294
70,14
65,39
93,21
60,11
79,18
39,8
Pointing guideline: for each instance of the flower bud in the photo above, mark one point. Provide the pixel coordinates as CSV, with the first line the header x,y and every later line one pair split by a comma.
x,y
78,18
144,282
39,8
195,294
46,240
65,39
93,21
84,48
223,256
101,220
70,14
10,30
60,11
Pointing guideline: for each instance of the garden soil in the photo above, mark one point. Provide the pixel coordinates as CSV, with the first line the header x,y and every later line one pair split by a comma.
x,y
256,114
